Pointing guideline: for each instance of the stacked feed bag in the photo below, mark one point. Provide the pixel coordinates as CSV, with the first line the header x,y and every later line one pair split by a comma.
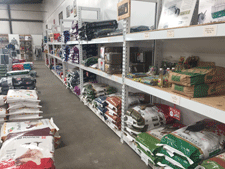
x,y
3,110
142,118
23,105
199,81
186,147
28,144
146,142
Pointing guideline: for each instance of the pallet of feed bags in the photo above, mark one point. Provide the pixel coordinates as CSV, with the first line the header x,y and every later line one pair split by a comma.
x,y
23,105
28,144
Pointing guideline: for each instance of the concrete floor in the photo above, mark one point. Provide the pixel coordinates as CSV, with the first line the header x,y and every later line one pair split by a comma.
x,y
87,143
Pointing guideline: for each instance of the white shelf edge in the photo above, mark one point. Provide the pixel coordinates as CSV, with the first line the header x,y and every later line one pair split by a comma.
x,y
179,33
102,74
192,105
54,43
74,64
56,57
72,43
110,39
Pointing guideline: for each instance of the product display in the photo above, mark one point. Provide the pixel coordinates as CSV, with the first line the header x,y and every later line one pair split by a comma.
x,y
176,13
215,162
189,145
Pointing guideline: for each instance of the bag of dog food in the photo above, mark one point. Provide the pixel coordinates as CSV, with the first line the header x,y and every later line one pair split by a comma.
x,y
3,112
195,142
198,75
32,149
2,100
217,162
15,127
201,90
22,117
19,105
147,141
24,111
22,96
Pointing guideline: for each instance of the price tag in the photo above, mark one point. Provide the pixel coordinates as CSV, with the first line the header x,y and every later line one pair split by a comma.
x,y
175,99
109,39
116,78
170,33
210,30
146,35
175,113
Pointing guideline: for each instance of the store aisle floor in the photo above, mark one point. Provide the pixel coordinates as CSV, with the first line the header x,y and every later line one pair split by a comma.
x,y
87,143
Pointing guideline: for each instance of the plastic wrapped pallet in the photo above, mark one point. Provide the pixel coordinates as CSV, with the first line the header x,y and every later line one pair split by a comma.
x,y
193,143
201,90
31,149
198,75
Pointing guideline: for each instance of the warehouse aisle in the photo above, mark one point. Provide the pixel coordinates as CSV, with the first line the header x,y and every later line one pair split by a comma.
x,y
87,143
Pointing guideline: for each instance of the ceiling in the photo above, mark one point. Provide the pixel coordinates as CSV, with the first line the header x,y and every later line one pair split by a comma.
x,y
20,1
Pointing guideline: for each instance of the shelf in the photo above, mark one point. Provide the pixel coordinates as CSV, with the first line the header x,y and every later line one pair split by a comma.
x,y
195,31
116,77
110,39
74,64
212,107
72,43
55,56
58,76
54,43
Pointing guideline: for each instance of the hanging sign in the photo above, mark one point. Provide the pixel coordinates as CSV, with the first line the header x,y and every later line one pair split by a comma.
x,y
123,9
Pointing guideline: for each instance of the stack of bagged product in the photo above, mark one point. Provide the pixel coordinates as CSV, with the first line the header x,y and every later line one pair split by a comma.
x,y
186,147
113,111
28,144
142,118
17,82
73,78
146,142
111,60
214,162
3,110
94,90
201,81
23,105
110,106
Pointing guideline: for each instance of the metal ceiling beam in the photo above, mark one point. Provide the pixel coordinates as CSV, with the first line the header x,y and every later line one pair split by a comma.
x,y
10,22
20,1
20,20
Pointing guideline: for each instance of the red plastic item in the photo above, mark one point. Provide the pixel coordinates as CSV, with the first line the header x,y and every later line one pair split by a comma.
x,y
17,67
56,35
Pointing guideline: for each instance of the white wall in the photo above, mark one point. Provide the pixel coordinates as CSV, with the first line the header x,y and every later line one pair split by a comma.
x,y
22,11
141,11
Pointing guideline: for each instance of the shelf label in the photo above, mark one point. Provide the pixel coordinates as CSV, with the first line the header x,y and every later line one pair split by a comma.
x,y
170,33
175,99
210,30
109,39
123,9
146,35
116,78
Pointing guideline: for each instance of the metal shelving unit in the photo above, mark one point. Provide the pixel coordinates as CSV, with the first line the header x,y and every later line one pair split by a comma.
x,y
199,106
